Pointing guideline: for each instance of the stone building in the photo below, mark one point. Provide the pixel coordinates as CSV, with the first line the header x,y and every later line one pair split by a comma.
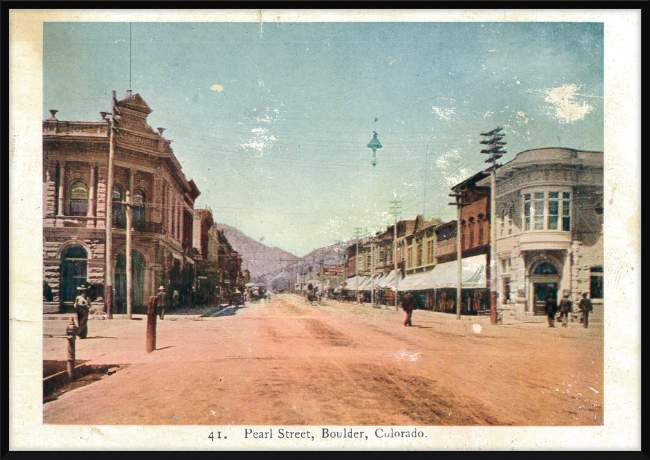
x,y
75,174
549,205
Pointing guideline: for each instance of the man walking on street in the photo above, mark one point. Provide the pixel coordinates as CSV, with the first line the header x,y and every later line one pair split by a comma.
x,y
162,301
586,307
551,310
565,309
408,305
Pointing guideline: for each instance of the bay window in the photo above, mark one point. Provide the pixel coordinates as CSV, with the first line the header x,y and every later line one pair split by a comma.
x,y
543,210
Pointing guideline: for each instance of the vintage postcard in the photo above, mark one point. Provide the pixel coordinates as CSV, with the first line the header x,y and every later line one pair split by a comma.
x,y
325,229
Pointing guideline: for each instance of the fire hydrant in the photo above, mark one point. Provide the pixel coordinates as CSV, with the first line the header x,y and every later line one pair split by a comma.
x,y
71,332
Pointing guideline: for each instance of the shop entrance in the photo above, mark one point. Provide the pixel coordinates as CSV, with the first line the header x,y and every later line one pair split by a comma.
x,y
542,292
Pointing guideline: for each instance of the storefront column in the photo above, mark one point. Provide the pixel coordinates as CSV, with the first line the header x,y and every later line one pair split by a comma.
x,y
91,197
61,201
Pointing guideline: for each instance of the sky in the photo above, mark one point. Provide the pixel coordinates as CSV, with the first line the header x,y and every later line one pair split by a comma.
x,y
272,121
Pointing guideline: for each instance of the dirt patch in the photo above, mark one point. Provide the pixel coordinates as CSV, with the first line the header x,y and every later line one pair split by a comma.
x,y
323,332
91,374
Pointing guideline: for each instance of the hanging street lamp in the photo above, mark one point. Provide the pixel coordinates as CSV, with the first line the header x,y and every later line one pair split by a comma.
x,y
374,145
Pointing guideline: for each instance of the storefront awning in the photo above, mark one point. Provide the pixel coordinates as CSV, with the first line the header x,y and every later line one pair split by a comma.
x,y
419,281
367,283
389,280
473,274
351,283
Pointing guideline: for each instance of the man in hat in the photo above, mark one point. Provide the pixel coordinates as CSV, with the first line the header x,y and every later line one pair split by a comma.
x,y
565,308
585,307
551,310
82,305
408,305
162,301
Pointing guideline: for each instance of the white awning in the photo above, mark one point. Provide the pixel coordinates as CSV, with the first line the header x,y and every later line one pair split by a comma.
x,y
351,283
417,282
446,276
367,283
473,274
389,280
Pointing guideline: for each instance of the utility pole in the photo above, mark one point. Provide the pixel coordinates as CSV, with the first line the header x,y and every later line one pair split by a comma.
x,y
129,258
372,273
494,142
424,200
108,272
357,233
395,207
459,253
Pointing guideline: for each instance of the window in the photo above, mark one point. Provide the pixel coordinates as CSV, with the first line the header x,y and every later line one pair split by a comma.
x,y
511,215
596,283
566,211
538,208
118,207
78,198
139,210
419,255
543,210
527,211
471,232
545,268
504,217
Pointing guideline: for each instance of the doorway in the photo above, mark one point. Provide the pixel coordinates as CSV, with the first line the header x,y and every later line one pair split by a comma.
x,y
542,292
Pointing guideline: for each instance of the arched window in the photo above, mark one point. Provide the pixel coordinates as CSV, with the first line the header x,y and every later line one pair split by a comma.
x,y
118,207
471,232
74,267
139,210
78,198
504,218
511,215
545,268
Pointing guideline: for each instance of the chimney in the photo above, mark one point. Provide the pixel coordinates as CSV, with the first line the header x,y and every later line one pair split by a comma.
x,y
160,131
53,113
128,94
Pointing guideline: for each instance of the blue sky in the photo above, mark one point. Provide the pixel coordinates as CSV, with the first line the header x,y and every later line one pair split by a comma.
x,y
272,124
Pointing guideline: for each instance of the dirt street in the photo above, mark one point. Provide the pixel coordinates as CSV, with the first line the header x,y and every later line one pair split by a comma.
x,y
290,363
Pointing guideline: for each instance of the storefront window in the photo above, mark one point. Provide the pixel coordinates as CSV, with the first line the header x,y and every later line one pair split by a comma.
x,y
596,283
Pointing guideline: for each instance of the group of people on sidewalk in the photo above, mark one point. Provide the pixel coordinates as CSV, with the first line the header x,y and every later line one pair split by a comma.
x,y
565,307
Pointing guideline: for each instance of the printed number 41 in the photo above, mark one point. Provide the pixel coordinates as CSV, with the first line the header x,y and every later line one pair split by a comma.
x,y
212,436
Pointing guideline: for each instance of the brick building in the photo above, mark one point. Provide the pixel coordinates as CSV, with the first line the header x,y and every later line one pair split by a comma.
x,y
75,171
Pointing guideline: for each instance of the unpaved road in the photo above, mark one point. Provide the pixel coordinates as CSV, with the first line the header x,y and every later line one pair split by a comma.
x,y
290,363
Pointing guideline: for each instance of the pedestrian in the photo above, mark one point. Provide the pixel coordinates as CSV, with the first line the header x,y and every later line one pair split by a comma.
x,y
408,305
82,306
162,301
565,309
551,310
176,299
586,307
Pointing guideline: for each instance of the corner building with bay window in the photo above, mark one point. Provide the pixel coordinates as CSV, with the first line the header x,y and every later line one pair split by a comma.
x,y
75,176
549,228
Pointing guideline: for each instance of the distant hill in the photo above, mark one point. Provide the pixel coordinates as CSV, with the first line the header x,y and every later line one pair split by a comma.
x,y
258,258
334,254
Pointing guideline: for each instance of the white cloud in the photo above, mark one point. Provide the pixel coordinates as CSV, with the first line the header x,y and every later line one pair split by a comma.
x,y
567,110
444,114
443,160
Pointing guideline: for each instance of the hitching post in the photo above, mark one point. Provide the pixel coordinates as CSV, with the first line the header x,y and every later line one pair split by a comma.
x,y
71,332
151,324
